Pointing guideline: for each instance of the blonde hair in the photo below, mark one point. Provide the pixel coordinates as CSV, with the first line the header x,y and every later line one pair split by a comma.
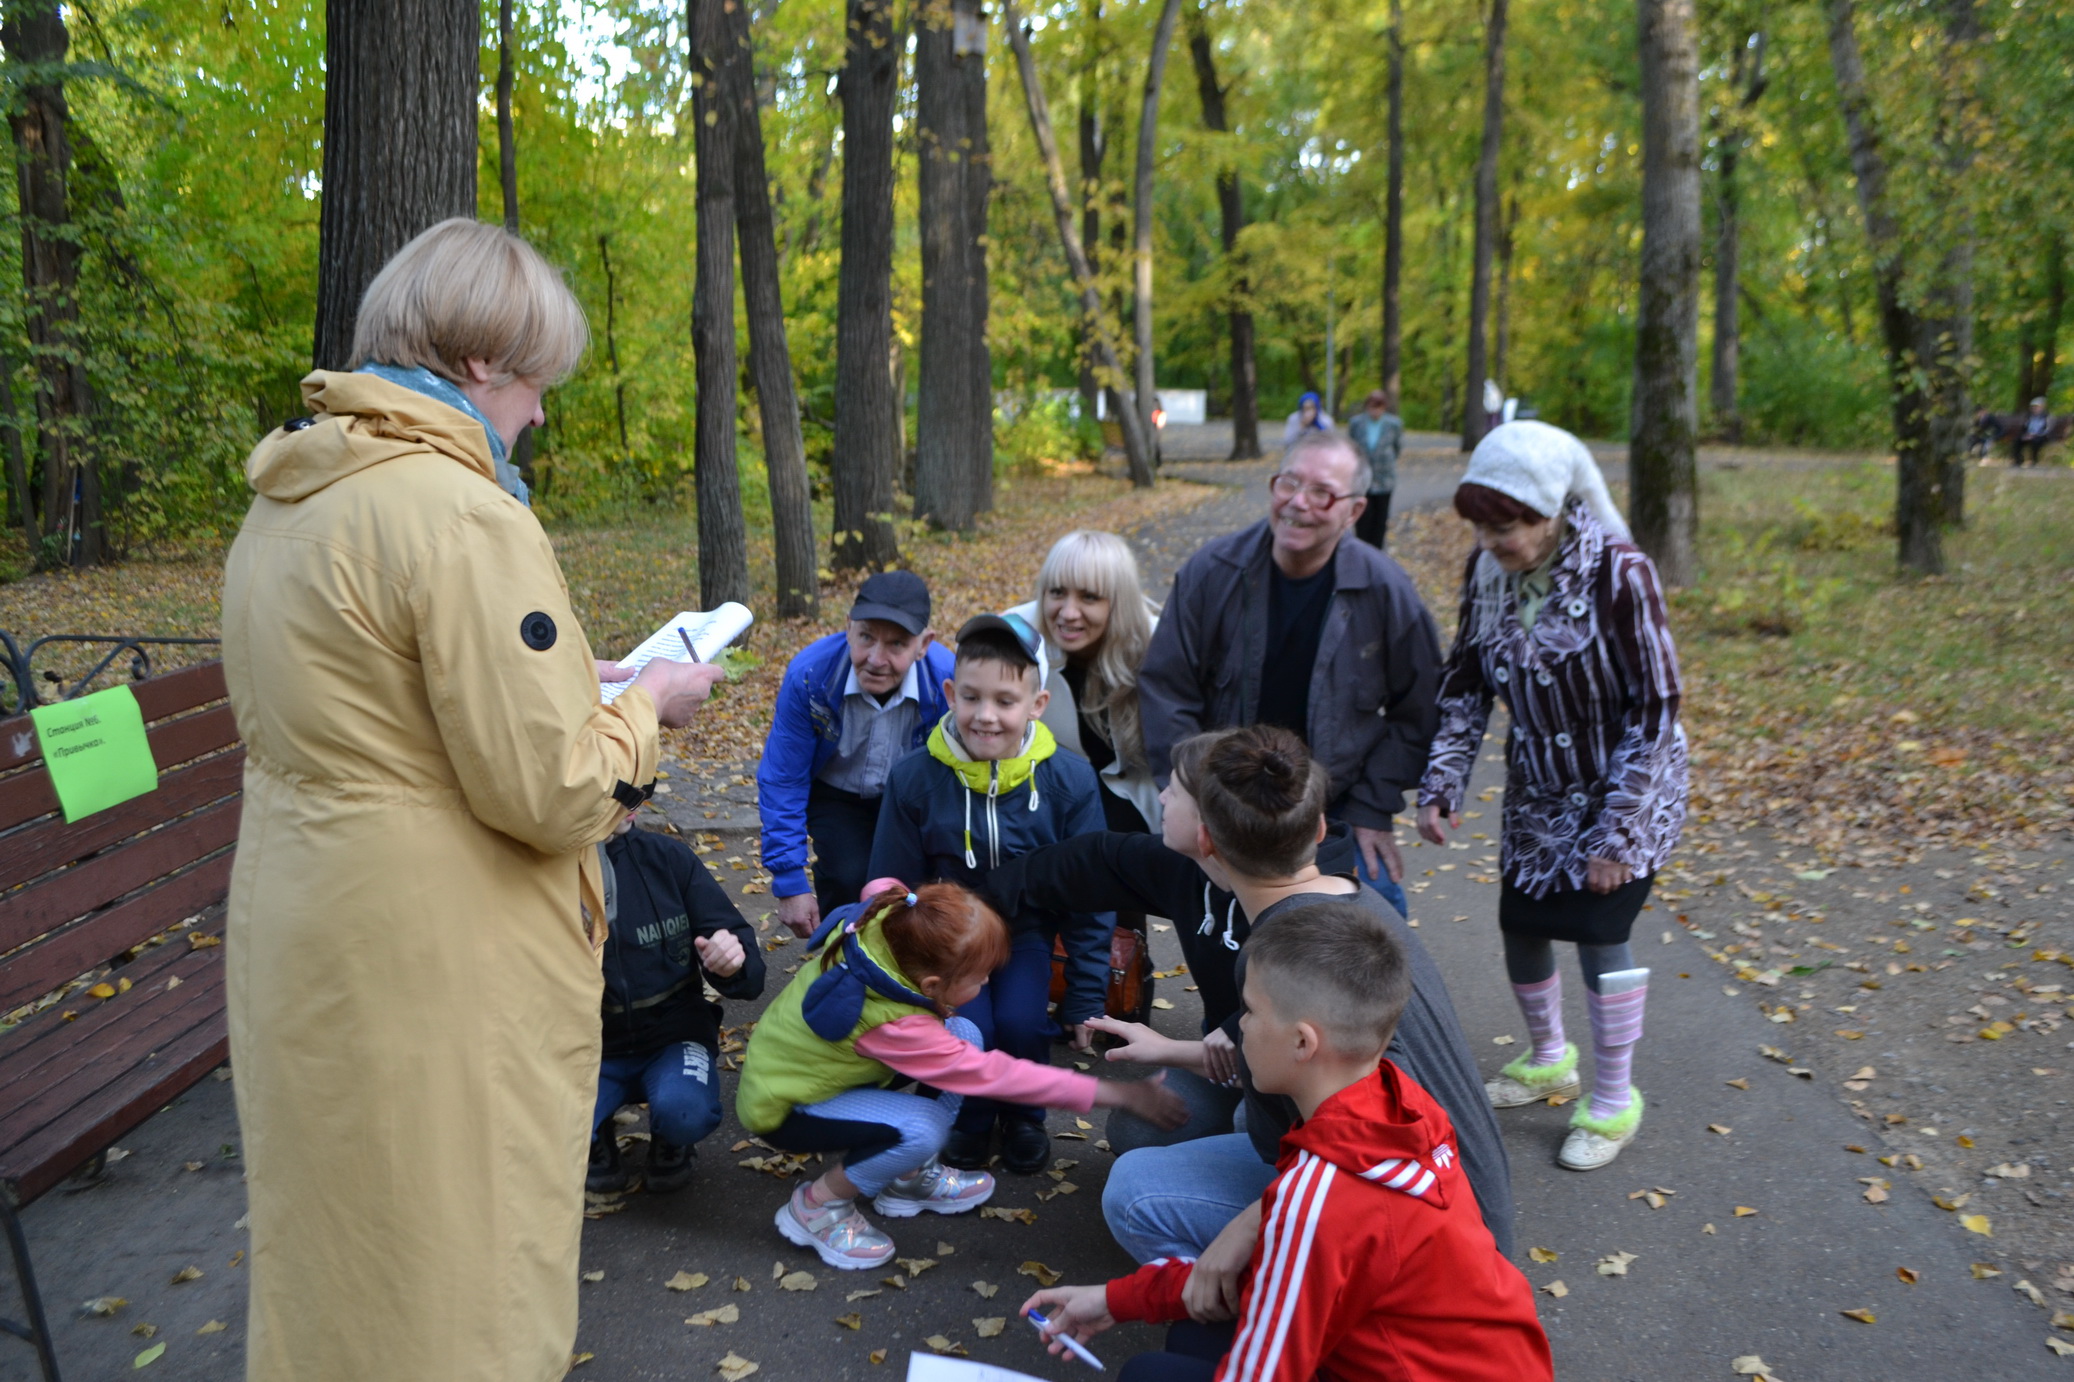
x,y
1086,559
466,290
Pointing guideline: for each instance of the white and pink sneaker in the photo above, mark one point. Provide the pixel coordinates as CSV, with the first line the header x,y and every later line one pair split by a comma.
x,y
837,1230
938,1188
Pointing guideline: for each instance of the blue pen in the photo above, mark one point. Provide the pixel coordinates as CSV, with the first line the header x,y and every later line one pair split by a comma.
x,y
1079,1350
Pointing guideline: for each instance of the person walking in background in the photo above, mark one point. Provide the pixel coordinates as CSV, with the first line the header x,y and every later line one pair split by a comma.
x,y
1310,416
1288,623
1378,434
1563,616
416,906
851,706
2032,433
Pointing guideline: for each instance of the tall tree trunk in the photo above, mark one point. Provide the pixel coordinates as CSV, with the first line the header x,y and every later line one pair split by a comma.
x,y
1094,151
770,358
1948,343
1231,205
34,35
1918,493
863,461
1663,474
2042,338
1141,216
401,78
1475,421
21,503
954,420
1748,79
1137,447
1501,351
723,534
507,181
619,388
1393,217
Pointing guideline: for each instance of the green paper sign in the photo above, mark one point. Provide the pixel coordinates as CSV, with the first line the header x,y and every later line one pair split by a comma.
x,y
96,751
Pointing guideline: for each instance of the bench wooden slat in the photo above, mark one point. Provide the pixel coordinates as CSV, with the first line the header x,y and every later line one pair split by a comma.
x,y
29,853
138,1081
157,698
120,871
99,938
28,794
48,1051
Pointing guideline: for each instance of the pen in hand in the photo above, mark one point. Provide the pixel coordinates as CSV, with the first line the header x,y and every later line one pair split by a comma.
x,y
687,644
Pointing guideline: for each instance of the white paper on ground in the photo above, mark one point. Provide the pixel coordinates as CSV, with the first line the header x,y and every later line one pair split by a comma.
x,y
930,1367
710,632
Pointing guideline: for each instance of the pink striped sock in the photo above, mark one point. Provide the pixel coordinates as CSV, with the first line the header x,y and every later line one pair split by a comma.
x,y
1616,1027
1542,1005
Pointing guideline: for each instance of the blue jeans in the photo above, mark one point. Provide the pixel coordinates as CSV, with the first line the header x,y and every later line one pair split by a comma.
x,y
1171,1201
1011,1015
1210,1110
676,1083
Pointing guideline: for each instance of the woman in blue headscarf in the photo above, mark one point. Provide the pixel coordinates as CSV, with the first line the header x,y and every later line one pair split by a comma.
x,y
1310,412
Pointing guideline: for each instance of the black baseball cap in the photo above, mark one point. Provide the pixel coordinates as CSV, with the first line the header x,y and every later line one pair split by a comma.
x,y
898,597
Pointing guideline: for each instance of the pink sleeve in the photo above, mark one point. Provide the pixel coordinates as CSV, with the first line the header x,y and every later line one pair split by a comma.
x,y
921,1048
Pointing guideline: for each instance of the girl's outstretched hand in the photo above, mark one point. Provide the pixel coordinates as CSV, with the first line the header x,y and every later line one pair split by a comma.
x,y
1149,1099
1145,1046
1429,825
1079,1312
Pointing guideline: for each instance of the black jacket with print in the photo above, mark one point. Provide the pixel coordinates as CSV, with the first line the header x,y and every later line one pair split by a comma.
x,y
663,898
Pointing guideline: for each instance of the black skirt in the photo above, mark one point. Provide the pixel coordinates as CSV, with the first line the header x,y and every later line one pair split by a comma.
x,y
1580,915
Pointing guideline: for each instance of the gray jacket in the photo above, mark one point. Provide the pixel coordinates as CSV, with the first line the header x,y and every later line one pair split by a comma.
x,y
1373,689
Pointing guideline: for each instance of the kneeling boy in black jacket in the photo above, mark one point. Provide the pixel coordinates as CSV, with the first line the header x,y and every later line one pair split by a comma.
x,y
672,929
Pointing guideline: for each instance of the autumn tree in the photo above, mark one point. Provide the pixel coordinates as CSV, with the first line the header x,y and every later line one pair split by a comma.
x,y
954,426
1393,216
1475,421
1662,469
867,423
401,80
35,39
1746,83
1231,209
723,536
770,358
1141,216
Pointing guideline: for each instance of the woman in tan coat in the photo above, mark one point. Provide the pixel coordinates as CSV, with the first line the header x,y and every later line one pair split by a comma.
x,y
414,913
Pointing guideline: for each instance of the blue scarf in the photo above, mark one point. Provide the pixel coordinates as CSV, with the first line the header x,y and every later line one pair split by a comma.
x,y
421,380
834,1003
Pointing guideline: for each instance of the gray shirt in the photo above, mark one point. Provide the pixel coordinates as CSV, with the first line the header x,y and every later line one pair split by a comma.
x,y
874,736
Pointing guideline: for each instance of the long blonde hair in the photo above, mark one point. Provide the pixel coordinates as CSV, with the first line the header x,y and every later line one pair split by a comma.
x,y
1086,559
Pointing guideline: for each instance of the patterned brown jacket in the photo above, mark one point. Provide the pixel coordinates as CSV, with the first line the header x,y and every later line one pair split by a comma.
x,y
1596,762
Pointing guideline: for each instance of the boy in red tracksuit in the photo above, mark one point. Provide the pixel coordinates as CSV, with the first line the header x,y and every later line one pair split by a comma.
x,y
1373,1262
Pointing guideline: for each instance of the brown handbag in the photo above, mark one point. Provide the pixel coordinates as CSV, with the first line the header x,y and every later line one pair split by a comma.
x,y
1130,975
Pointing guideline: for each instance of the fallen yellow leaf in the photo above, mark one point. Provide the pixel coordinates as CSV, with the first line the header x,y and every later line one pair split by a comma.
x,y
1556,1289
1738,1083
940,1344
1717,1127
1615,1264
148,1356
862,1295
719,1314
915,1266
741,1283
1045,1275
1977,1223
2059,1346
797,1281
944,1249
213,1327
683,1281
577,1360
594,1276
1541,1254
1744,1211
877,1355
850,1321
1862,1316
990,1327
986,1289
734,1368
144,1331
1982,1271
1161,1004
186,1274
102,991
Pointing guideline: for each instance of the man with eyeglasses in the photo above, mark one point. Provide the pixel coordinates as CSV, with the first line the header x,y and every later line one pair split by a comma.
x,y
1291,622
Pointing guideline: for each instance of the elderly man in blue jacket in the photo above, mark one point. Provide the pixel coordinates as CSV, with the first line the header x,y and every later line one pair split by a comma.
x,y
851,706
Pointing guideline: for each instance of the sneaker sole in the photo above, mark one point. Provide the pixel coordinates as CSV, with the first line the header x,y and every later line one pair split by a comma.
x,y
895,1207
1567,1091
794,1232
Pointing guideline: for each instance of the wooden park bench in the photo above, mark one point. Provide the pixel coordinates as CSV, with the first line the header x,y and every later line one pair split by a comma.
x,y
138,887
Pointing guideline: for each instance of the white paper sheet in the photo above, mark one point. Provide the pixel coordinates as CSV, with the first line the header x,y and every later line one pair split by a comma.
x,y
930,1367
710,632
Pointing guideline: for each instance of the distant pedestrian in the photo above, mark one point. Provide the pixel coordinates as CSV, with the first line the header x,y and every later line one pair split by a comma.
x,y
2033,433
1310,416
1378,434
1564,617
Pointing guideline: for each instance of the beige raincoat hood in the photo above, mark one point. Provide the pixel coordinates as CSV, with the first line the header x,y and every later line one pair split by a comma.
x,y
413,982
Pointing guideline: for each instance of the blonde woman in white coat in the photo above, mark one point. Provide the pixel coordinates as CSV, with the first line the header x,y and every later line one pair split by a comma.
x,y
1096,624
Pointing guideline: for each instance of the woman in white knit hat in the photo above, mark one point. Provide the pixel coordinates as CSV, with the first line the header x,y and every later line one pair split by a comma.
x,y
1563,617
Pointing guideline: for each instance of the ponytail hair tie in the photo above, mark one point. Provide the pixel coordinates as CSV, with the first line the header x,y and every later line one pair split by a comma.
x,y
912,899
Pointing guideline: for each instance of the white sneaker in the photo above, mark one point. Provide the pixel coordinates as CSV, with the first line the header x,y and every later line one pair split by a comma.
x,y
1522,1082
1595,1142
938,1188
837,1230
